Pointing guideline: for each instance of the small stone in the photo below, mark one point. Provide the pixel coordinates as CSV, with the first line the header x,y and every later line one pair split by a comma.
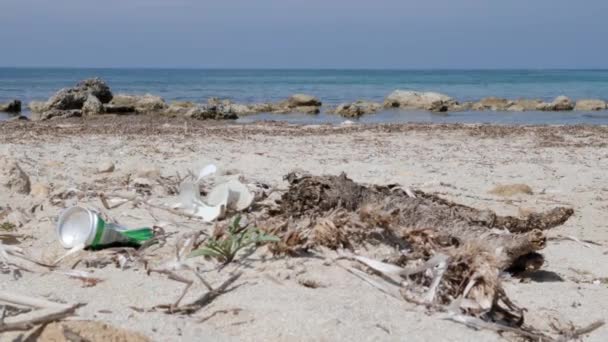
x,y
512,189
106,167
40,190
150,172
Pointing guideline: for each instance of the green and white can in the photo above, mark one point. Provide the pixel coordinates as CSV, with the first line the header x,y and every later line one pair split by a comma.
x,y
80,226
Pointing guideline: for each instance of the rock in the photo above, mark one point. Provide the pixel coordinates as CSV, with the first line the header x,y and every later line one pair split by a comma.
x,y
522,105
92,106
492,103
561,103
590,105
97,88
357,109
74,98
229,108
143,104
461,107
19,118
13,177
56,114
40,191
179,108
512,189
106,167
37,106
419,100
305,110
11,107
117,109
303,100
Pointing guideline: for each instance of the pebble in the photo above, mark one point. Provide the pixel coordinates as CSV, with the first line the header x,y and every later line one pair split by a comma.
x,y
106,167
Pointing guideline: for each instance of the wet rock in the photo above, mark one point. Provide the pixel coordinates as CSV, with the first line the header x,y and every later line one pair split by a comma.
x,y
493,104
106,167
419,100
561,103
92,106
13,177
303,100
590,105
143,104
13,106
304,110
461,107
357,109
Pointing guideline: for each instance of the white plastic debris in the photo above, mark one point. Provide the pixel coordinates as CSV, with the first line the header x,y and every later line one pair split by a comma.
x,y
231,194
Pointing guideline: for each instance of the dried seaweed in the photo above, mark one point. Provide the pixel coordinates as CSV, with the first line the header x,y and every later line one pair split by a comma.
x,y
453,251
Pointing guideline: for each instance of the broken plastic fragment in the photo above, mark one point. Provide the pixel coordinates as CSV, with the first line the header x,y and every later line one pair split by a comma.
x,y
233,193
206,171
190,201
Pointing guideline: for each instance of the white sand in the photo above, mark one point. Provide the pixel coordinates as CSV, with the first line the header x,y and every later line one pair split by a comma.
x,y
563,167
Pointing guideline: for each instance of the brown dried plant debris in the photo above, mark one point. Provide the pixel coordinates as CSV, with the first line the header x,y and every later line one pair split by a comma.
x,y
473,246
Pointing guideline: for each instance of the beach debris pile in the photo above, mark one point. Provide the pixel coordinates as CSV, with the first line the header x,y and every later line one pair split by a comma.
x,y
446,256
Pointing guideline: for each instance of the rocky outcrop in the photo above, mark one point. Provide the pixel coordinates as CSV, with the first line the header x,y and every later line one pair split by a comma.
x,y
118,109
493,104
211,113
303,100
92,106
523,105
13,106
70,102
590,105
56,114
74,98
430,101
356,109
298,103
561,103
143,104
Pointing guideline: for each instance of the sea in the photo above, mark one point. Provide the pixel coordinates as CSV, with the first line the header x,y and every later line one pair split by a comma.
x,y
332,87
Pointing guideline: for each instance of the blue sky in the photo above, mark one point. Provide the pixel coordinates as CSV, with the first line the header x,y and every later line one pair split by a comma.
x,y
305,33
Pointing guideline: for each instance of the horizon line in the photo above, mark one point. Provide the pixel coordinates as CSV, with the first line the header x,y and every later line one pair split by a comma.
x,y
305,68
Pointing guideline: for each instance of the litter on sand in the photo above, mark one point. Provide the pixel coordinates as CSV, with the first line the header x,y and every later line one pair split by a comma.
x,y
227,195
78,226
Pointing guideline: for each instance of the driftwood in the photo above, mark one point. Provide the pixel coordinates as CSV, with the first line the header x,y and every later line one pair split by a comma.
x,y
452,250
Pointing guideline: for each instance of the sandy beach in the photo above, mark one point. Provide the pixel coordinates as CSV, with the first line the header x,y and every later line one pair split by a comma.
x,y
281,298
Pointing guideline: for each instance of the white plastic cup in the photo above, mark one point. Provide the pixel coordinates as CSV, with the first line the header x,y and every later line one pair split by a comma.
x,y
80,226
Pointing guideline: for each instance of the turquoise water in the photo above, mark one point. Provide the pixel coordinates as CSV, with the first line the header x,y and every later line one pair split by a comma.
x,y
331,86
